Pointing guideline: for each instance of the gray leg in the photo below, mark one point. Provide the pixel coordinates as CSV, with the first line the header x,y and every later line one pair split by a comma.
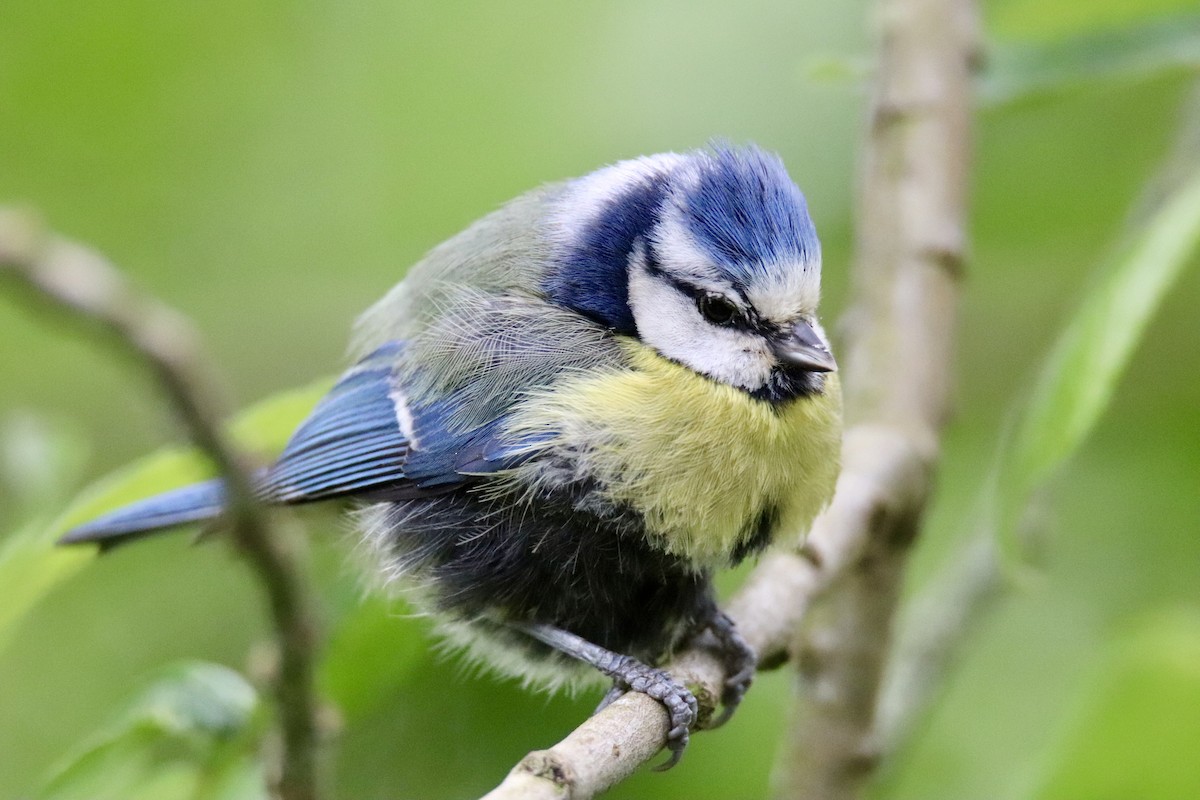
x,y
628,674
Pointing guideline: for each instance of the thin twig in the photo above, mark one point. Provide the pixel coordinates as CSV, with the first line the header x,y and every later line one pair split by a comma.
x,y
83,285
931,636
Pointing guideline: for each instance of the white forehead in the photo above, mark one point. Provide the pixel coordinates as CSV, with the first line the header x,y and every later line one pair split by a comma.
x,y
679,252
789,291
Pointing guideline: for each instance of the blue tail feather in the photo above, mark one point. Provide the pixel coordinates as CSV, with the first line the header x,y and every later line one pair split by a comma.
x,y
194,503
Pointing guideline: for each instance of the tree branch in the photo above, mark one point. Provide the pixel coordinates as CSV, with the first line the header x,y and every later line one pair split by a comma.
x,y
83,285
911,246
608,747
937,623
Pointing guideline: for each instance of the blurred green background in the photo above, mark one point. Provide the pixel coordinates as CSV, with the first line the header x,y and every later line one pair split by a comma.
x,y
272,168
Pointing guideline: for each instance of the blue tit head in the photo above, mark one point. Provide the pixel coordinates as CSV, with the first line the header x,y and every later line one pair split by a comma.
x,y
709,257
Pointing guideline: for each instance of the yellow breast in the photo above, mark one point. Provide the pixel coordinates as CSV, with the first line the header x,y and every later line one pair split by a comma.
x,y
699,459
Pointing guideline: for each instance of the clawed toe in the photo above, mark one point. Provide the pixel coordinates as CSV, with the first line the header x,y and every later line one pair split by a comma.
x,y
616,692
680,704
628,674
740,663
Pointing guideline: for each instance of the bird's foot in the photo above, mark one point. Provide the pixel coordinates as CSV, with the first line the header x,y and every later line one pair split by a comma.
x,y
740,662
628,675
632,675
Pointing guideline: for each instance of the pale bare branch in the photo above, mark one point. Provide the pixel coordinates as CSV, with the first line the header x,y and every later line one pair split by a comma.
x,y
911,249
83,285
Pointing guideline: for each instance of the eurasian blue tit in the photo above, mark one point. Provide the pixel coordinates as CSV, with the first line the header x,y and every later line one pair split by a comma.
x,y
566,417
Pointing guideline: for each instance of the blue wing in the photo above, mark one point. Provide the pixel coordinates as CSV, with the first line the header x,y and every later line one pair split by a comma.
x,y
194,503
353,444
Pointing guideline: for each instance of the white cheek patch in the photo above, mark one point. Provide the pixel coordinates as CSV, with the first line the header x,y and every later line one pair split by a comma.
x,y
668,321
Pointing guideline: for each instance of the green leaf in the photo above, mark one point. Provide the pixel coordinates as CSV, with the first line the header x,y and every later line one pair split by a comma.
x,y
1081,373
199,699
1021,70
1024,69
1138,734
30,563
30,566
1078,379
188,735
837,69
1037,19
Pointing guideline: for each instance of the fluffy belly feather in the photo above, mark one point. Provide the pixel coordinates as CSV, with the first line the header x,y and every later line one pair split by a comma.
x,y
700,461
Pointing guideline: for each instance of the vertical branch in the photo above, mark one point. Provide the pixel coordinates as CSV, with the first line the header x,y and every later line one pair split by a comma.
x,y
911,245
85,287
938,623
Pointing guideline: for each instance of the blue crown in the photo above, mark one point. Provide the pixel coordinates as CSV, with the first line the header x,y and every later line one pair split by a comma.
x,y
747,214
738,203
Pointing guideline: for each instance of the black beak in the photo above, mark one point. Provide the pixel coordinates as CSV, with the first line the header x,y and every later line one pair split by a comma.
x,y
802,347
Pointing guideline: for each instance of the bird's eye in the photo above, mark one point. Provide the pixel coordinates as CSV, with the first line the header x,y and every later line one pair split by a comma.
x,y
716,308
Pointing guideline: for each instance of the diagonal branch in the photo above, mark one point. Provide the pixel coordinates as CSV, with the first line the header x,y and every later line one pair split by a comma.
x,y
84,286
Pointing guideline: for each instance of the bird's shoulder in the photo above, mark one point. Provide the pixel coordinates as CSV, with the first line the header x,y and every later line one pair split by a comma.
x,y
431,414
508,251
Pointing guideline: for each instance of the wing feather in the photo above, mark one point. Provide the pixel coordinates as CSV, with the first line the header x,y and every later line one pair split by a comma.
x,y
355,442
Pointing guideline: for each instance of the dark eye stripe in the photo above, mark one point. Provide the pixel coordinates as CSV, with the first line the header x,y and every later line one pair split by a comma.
x,y
747,317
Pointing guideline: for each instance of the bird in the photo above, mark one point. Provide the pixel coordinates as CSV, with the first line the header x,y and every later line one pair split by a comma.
x,y
565,419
